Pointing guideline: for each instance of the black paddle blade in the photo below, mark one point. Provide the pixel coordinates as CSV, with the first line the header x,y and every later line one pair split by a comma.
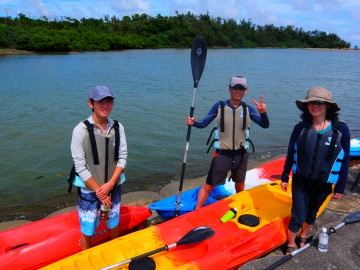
x,y
196,235
198,58
353,217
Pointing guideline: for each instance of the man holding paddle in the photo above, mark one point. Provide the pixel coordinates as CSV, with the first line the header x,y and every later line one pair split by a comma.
x,y
233,118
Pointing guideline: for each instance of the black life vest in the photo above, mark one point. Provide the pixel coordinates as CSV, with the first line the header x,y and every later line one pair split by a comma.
x,y
319,156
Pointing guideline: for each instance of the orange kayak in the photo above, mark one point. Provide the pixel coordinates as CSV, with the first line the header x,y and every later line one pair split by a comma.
x,y
259,226
42,242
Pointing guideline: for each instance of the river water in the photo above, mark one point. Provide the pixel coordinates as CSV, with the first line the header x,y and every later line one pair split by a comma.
x,y
44,96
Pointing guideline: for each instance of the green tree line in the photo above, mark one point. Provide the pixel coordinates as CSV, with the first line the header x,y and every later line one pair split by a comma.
x,y
144,31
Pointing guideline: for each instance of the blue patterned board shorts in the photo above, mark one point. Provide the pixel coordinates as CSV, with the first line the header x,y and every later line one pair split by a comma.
x,y
89,211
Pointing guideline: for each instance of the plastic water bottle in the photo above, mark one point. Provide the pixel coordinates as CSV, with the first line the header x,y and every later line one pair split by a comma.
x,y
104,210
323,240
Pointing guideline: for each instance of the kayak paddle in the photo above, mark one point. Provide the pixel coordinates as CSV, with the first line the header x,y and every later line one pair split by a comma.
x,y
198,58
192,237
351,218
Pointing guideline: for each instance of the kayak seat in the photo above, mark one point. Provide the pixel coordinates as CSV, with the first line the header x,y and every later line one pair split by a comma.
x,y
143,263
249,220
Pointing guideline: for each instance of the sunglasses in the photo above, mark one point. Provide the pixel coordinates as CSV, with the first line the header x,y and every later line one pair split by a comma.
x,y
317,102
238,87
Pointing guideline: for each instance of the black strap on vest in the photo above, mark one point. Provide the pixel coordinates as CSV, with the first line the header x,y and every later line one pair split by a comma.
x,y
71,178
252,145
213,141
70,181
211,134
90,129
222,109
117,140
243,104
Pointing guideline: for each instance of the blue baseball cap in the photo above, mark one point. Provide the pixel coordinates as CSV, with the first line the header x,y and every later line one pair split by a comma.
x,y
99,92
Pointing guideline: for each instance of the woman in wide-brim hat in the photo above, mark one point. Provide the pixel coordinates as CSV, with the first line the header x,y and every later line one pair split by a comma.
x,y
318,94
316,163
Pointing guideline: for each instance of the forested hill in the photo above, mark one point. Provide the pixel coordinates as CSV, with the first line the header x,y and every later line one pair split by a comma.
x,y
144,31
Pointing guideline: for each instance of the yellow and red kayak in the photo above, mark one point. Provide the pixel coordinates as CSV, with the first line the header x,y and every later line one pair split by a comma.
x,y
235,242
42,242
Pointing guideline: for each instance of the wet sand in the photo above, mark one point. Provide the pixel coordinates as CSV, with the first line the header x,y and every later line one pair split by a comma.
x,y
13,52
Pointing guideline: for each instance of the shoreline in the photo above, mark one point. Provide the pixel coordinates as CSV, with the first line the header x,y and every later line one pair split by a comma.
x,y
143,198
14,52
68,202
5,52
41,209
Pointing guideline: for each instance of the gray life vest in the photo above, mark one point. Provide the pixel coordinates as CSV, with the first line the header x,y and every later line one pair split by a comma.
x,y
101,155
92,141
319,156
236,134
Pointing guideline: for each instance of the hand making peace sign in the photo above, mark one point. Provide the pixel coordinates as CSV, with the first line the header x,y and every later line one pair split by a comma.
x,y
260,105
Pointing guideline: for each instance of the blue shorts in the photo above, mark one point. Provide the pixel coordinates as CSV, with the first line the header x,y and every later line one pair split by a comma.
x,y
89,211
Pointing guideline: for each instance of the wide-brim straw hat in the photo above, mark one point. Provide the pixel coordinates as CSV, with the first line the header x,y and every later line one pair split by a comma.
x,y
317,94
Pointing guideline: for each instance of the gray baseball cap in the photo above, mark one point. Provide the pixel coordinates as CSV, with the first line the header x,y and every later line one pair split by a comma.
x,y
99,92
238,80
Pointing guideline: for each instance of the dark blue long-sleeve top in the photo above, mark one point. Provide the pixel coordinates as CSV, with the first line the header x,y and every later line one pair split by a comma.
x,y
345,144
260,119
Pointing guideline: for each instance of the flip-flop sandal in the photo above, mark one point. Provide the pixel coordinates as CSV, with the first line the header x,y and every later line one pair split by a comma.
x,y
290,250
302,241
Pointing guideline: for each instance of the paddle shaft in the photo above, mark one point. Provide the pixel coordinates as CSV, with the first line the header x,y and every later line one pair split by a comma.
x,y
194,236
294,253
166,247
192,108
198,58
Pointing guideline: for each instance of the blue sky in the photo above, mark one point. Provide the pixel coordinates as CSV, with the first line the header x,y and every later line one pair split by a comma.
x,y
341,17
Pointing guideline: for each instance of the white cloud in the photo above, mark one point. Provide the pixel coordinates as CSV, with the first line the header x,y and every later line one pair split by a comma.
x,y
131,7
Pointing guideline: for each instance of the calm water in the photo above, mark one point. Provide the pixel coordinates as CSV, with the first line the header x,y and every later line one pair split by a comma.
x,y
44,96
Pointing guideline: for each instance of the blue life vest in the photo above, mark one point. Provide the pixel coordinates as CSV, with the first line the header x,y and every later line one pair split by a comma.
x,y
319,156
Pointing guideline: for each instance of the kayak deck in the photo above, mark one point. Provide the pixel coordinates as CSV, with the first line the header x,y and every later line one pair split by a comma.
x,y
232,245
42,242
